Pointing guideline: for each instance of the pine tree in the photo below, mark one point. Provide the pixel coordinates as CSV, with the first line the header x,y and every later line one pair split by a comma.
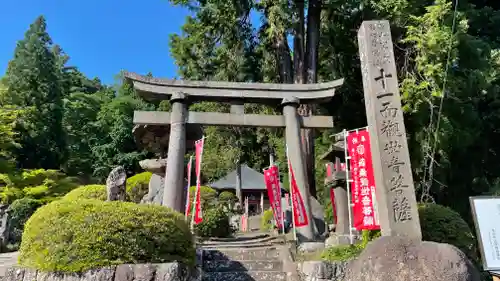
x,y
33,80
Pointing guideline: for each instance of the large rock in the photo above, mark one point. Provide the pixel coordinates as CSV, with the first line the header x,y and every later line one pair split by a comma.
x,y
4,225
400,259
125,272
116,184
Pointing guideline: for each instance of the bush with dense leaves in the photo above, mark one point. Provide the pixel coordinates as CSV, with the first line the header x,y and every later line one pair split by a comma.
x,y
266,222
342,252
138,186
44,185
19,212
438,223
74,236
227,197
215,224
207,195
93,191
444,225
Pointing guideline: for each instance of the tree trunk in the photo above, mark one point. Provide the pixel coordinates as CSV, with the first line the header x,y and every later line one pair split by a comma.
x,y
239,194
311,65
284,61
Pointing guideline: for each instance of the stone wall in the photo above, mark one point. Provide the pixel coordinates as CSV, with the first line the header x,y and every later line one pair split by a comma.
x,y
124,272
321,271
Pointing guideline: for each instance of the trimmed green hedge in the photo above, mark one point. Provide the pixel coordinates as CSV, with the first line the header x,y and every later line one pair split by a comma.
x,y
77,235
138,186
93,191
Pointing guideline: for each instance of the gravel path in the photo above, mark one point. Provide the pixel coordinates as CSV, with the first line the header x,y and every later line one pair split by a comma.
x,y
7,260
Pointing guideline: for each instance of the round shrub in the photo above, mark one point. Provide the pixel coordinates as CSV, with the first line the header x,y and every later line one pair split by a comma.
x,y
207,195
444,225
93,191
227,197
138,186
19,212
78,235
215,224
266,223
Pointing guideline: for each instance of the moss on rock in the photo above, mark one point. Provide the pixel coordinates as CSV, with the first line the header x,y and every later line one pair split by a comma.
x,y
77,235
138,186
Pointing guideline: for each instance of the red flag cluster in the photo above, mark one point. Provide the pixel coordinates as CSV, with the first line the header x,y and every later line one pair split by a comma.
x,y
197,218
363,181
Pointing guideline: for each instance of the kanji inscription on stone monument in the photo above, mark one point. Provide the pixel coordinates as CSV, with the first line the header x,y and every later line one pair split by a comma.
x,y
398,214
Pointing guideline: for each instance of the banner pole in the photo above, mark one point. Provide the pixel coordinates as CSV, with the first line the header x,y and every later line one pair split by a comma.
x,y
291,195
186,207
348,187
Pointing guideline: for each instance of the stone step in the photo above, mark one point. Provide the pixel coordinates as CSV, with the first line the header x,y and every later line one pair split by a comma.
x,y
244,236
236,245
266,239
244,276
266,253
239,266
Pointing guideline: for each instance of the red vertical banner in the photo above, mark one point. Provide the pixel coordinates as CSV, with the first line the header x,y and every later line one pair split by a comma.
x,y
197,203
299,210
271,179
363,185
188,202
367,182
352,142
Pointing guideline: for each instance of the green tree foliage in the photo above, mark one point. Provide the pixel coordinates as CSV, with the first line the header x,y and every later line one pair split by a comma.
x,y
53,116
437,56
33,81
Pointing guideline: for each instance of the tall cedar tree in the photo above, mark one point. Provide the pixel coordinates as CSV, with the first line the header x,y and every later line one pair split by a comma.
x,y
33,80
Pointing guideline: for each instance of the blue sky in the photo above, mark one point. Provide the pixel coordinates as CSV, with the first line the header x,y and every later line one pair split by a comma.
x,y
101,37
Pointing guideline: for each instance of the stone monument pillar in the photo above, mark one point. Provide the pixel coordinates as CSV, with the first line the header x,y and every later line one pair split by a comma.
x,y
396,200
174,178
296,156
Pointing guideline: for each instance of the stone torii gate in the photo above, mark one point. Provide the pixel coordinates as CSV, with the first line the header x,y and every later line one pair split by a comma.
x,y
181,93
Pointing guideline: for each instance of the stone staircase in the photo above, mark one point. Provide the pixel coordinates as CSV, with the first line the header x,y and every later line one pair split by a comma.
x,y
247,257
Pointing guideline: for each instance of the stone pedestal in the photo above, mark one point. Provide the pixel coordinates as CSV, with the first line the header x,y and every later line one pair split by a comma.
x,y
342,208
157,181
